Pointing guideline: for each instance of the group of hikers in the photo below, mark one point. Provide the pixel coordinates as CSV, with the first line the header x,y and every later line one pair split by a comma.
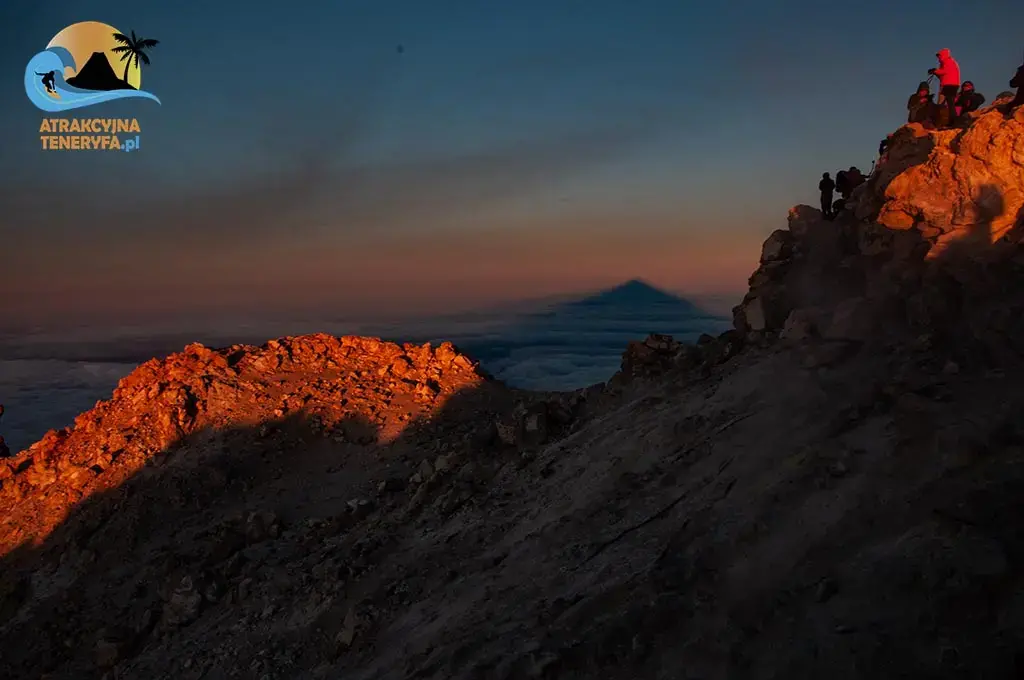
x,y
955,101
845,182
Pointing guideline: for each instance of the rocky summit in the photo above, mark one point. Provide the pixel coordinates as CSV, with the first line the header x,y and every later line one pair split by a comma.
x,y
832,488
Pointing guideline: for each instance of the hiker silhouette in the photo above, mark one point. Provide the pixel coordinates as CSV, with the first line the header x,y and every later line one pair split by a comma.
x,y
47,80
1018,82
826,186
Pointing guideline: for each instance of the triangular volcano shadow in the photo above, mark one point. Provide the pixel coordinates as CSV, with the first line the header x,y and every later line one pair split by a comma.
x,y
570,344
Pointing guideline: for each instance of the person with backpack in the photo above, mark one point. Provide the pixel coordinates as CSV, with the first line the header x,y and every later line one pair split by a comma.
x,y
968,100
854,178
920,106
948,73
842,184
883,151
826,186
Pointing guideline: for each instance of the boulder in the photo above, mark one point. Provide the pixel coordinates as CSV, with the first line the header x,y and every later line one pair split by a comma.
x,y
802,218
764,309
754,314
768,273
535,425
652,356
777,247
721,349
801,324
952,186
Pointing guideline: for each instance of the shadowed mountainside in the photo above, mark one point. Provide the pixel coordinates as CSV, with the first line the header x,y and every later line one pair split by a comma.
x,y
830,489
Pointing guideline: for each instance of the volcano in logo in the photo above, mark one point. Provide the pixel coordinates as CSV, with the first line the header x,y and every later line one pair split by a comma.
x,y
88,63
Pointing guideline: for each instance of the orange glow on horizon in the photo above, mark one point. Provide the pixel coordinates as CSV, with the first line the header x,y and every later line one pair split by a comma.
x,y
430,272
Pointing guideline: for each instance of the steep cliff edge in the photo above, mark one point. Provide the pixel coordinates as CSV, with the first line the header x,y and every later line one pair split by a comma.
x,y
831,489
932,240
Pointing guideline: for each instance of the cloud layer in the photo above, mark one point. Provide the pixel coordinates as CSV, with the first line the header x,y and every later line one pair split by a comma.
x,y
47,380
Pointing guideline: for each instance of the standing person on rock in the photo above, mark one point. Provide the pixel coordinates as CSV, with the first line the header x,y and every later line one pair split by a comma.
x,y
1018,82
826,186
948,74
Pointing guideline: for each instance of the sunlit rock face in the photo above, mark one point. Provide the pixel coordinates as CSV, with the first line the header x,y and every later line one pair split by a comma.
x,y
351,387
965,184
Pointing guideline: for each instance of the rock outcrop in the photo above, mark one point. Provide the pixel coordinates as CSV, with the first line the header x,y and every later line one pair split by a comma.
x,y
831,489
952,185
926,234
659,355
348,390
832,280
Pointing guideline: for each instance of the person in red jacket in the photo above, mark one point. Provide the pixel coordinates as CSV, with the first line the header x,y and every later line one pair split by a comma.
x,y
948,73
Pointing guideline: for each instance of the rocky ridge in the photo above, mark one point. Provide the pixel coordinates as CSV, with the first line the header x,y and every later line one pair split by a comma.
x,y
349,389
952,185
831,488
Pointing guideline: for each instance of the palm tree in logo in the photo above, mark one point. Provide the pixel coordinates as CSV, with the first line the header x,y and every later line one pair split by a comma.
x,y
133,48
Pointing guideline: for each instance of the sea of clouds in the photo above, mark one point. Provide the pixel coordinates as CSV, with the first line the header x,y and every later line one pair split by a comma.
x,y
46,380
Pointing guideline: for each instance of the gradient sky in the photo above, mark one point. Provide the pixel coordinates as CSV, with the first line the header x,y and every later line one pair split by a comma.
x,y
300,163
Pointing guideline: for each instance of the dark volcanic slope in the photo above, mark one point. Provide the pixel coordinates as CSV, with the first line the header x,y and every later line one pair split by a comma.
x,y
833,489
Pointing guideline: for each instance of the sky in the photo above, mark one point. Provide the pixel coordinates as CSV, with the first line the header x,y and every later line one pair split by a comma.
x,y
300,163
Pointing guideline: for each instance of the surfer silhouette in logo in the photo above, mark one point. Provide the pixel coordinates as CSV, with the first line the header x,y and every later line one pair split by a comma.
x,y
47,81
